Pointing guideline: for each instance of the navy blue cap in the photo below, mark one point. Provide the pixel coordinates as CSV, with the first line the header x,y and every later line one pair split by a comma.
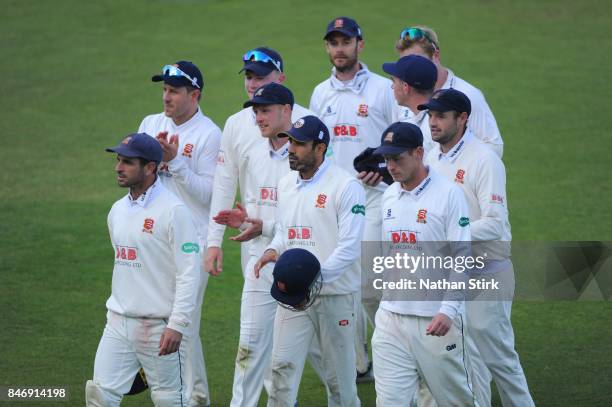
x,y
344,25
175,79
139,145
262,61
445,100
399,137
368,161
308,128
271,94
294,272
415,70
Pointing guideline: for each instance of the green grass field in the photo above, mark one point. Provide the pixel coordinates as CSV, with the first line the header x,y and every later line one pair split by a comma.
x,y
76,78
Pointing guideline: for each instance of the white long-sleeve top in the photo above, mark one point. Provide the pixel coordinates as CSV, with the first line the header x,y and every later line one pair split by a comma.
x,y
324,215
157,259
355,112
190,174
481,175
481,122
240,135
434,211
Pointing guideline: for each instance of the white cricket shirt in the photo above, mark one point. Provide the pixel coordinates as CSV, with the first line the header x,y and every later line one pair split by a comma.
x,y
157,258
190,174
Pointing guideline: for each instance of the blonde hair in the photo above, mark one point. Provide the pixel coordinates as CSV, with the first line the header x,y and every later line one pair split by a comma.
x,y
429,43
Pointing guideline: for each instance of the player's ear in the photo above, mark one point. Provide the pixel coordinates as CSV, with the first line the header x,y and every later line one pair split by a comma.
x,y
360,45
281,78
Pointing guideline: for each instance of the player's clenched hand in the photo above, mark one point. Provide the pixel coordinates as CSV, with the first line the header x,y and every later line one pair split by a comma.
x,y
169,147
213,263
169,342
439,326
268,256
251,232
232,217
370,178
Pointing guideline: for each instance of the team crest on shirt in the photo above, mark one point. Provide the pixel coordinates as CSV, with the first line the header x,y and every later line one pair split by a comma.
x,y
362,111
221,158
148,225
187,150
422,216
321,200
459,176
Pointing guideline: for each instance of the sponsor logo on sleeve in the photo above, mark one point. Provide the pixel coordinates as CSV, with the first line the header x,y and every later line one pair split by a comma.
x,y
463,221
358,209
148,225
187,150
422,216
460,176
190,247
497,199
321,200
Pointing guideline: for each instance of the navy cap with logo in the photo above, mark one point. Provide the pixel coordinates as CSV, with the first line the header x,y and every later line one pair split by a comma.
x,y
400,137
271,94
344,25
294,273
308,128
415,70
262,61
445,100
139,145
369,162
182,73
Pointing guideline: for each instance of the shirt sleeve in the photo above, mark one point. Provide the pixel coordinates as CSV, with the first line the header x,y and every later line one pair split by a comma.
x,y
184,243
199,182
482,122
491,193
351,221
458,234
224,184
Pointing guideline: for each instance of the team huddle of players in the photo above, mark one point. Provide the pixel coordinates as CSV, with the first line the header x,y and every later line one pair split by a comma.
x,y
371,159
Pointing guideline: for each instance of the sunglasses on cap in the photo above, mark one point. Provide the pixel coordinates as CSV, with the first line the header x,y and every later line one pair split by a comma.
x,y
171,70
415,34
259,56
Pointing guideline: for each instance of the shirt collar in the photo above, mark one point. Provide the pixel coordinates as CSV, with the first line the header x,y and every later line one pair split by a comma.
x,y
189,122
355,85
279,154
457,149
450,80
317,175
146,197
419,190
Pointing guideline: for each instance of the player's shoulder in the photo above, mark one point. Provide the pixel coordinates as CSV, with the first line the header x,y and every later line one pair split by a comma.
x,y
206,123
240,116
482,154
379,80
440,185
300,111
322,87
472,92
287,180
153,121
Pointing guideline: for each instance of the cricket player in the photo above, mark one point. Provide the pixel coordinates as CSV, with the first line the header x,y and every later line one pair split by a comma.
x,y
480,174
414,78
420,339
356,105
320,209
423,41
156,280
256,163
190,143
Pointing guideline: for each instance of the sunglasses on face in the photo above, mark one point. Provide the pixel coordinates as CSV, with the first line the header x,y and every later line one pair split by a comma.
x,y
259,56
171,70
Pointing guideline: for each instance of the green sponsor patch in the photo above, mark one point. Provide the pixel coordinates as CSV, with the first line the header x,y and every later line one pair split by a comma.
x,y
464,221
358,209
190,248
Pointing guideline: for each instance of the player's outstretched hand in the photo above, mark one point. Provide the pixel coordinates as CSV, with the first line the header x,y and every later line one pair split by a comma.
x,y
251,232
169,342
232,217
370,178
169,147
439,326
213,264
268,256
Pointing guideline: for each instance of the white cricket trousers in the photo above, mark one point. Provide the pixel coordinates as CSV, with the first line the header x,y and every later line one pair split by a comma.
x,y
331,321
403,353
130,343
196,382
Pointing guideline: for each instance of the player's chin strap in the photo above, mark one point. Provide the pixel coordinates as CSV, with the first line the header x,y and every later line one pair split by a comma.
x,y
311,296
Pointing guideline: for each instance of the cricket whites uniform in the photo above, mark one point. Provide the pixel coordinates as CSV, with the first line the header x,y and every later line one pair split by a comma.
x,y
481,122
156,279
190,176
324,215
356,114
421,119
434,211
482,177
